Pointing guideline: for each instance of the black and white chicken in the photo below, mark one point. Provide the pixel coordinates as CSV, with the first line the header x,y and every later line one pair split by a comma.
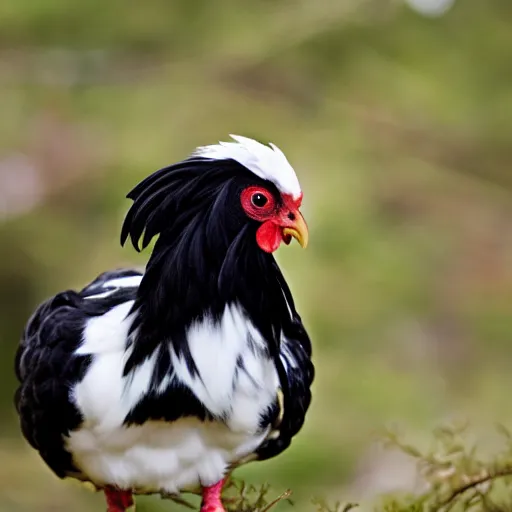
x,y
167,380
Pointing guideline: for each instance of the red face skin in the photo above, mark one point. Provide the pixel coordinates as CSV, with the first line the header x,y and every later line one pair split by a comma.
x,y
277,219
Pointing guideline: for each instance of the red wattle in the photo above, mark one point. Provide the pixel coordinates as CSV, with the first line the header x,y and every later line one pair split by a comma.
x,y
269,236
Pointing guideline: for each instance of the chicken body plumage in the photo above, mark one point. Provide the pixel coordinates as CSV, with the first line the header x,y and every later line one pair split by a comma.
x,y
163,381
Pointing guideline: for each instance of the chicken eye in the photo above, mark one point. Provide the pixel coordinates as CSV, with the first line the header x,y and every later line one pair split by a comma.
x,y
259,200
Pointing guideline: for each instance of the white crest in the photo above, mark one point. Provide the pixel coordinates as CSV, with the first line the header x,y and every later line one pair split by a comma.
x,y
266,162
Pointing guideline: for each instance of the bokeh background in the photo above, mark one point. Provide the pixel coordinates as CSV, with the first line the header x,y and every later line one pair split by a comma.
x,y
398,119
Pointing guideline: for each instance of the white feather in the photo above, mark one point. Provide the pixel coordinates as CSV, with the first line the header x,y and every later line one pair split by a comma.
x,y
101,295
121,282
107,333
268,163
124,282
216,350
161,456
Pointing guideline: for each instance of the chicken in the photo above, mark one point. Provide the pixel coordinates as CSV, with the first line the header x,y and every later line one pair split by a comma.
x,y
166,381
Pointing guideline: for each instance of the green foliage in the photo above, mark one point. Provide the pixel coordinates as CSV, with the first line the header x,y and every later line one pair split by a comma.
x,y
456,476
240,497
323,506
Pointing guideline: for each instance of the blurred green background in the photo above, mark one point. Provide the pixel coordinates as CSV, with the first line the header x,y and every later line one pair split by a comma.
x,y
398,119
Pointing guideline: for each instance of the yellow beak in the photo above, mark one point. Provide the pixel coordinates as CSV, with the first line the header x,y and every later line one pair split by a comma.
x,y
298,230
